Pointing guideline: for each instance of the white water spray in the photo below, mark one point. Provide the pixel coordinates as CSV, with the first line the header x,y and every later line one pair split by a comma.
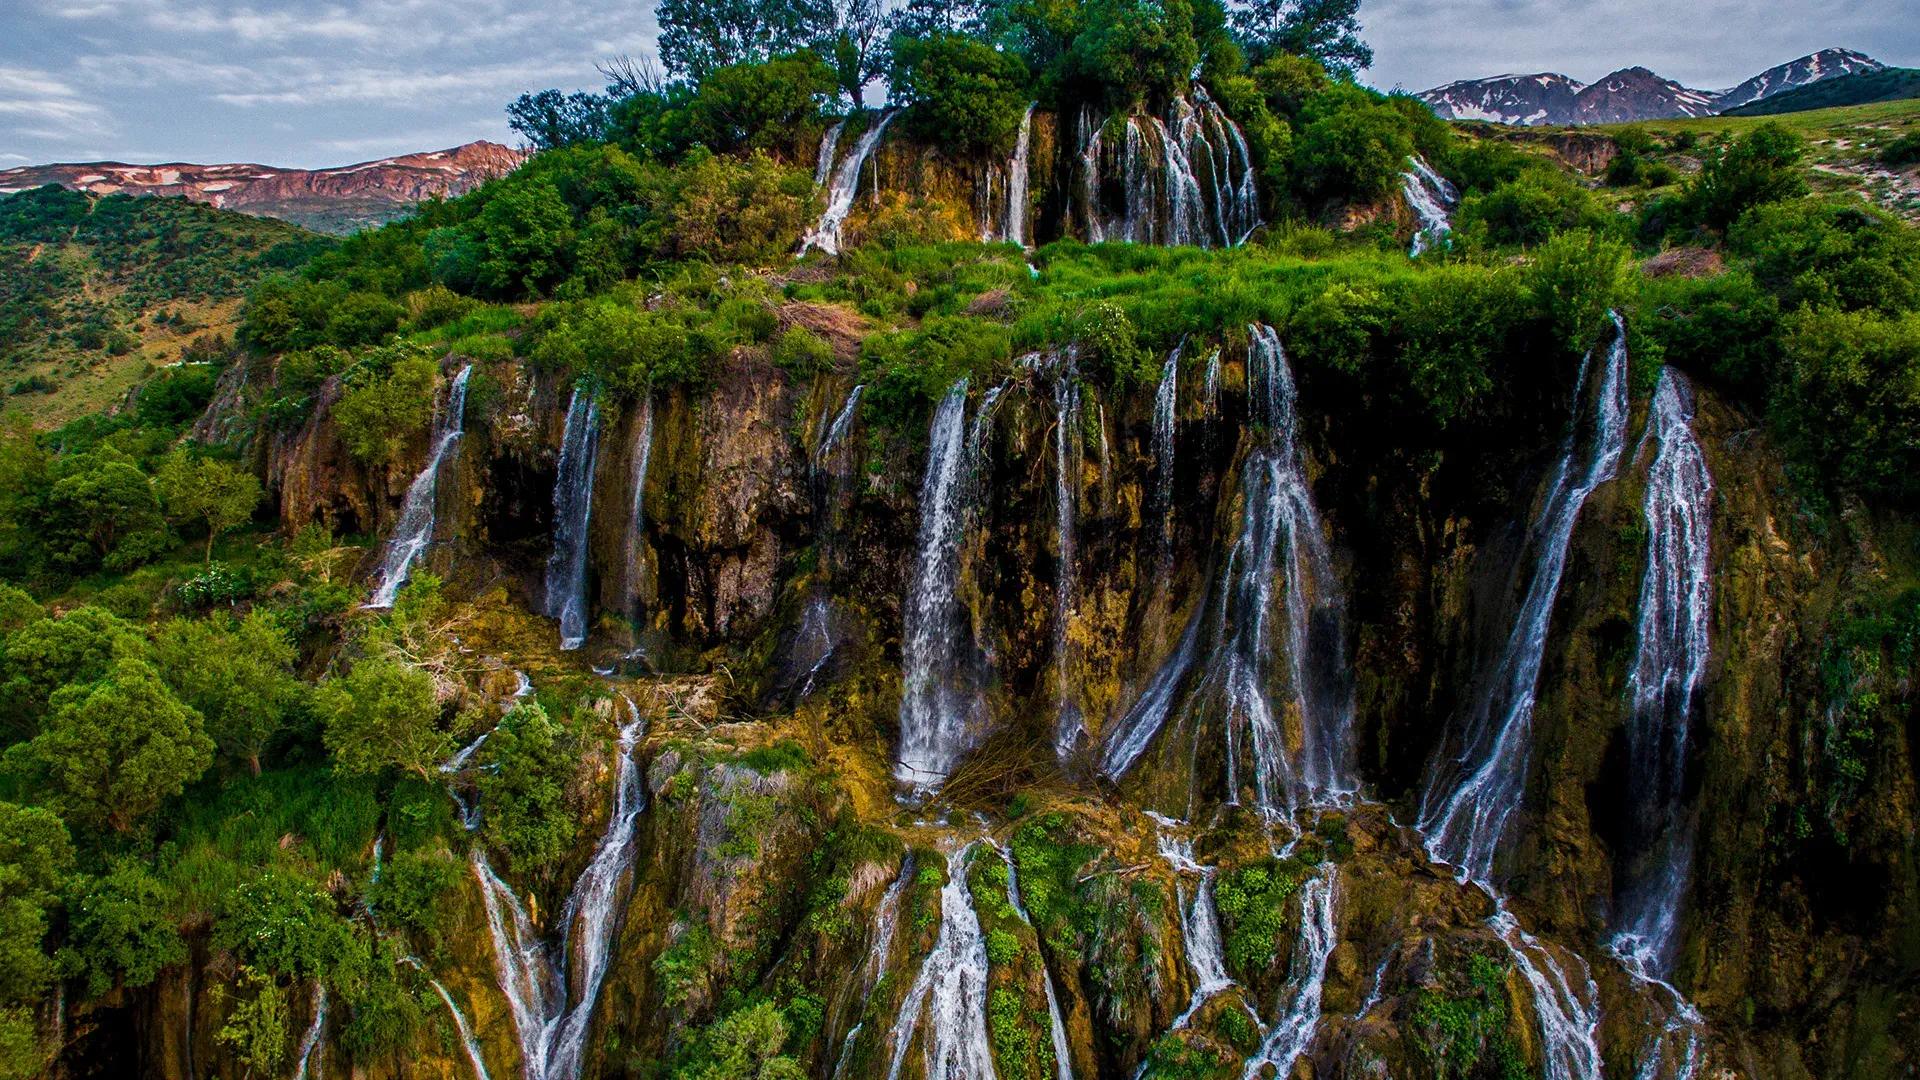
x,y
1292,1032
845,185
566,598
949,995
1432,200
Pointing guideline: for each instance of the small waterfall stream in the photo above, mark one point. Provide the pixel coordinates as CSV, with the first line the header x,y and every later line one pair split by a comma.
x,y
823,168
843,187
879,951
414,531
1663,684
311,1039
468,1040
540,978
1292,1031
1014,231
1568,1014
1199,923
1062,1060
1432,199
637,515
572,514
939,713
949,995
1470,797
1069,731
1166,401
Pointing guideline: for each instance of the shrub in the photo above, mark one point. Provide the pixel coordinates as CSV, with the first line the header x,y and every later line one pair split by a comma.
x,y
1528,210
734,210
1760,167
907,371
1813,253
1356,154
381,412
800,352
1902,151
1852,401
524,770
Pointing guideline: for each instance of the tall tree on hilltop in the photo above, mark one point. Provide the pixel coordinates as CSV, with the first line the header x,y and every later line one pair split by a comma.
x,y
697,36
858,49
1325,30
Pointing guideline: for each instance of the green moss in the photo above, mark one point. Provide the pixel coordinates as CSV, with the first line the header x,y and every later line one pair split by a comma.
x,y
685,964
1253,912
1462,1030
1016,1039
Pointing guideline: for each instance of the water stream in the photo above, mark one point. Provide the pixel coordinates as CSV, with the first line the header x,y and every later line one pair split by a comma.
x,y
940,715
1062,1060
637,514
1186,178
948,1000
1292,1032
414,531
1014,231
1432,199
843,186
566,598
311,1039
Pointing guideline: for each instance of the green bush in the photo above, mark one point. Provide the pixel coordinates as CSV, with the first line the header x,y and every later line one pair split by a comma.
x,y
1529,209
1760,167
1902,151
1355,154
525,769
906,372
381,412
1815,253
801,353
1852,399
964,94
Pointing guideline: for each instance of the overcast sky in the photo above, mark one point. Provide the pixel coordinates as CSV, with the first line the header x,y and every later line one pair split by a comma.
x,y
311,84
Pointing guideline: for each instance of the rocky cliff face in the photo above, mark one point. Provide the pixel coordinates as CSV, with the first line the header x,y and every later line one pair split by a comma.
x,y
338,200
772,570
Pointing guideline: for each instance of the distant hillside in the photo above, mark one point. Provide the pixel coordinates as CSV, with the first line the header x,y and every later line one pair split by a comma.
x,y
93,289
1886,84
339,200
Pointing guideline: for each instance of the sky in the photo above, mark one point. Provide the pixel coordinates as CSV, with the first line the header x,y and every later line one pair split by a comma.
x,y
309,84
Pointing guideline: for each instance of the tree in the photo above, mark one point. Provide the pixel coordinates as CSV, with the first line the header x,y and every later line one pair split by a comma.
x,y
382,715
35,855
859,45
1323,30
963,92
743,1045
239,676
550,118
112,751
287,927
524,769
377,416
698,36
1761,167
207,491
102,512
44,656
119,932
256,1028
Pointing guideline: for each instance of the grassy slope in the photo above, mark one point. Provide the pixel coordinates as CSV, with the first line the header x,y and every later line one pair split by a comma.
x,y
83,281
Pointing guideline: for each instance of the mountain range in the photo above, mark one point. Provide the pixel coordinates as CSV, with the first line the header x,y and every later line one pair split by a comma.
x,y
338,200
1627,95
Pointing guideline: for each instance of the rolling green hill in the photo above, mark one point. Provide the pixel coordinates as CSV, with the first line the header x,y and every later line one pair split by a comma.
x,y
94,290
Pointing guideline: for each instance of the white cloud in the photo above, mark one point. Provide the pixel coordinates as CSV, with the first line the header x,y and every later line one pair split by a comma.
x,y
39,105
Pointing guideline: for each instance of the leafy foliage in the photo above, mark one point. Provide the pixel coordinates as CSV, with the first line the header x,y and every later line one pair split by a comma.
x,y
525,768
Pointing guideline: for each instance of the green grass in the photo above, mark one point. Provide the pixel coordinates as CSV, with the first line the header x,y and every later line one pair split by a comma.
x,y
303,819
1813,124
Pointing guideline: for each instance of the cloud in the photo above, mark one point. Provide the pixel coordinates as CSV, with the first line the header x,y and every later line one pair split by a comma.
x,y
40,105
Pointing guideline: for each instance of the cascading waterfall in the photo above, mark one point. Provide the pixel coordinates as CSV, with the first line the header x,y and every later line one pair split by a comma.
x,y
1432,199
1568,1014
823,168
415,529
879,950
1280,539
572,514
1062,1061
1135,731
845,185
1199,923
814,644
539,980
1292,1032
311,1039
1464,824
637,515
1014,231
1068,730
1663,684
1165,407
1186,178
1210,386
950,990
939,713
1469,798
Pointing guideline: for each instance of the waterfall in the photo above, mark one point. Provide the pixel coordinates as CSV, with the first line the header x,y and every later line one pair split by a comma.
x,y
1568,1015
951,991
1292,1032
939,714
311,1039
1669,665
837,431
468,1041
1015,229
1280,539
572,513
1068,731
844,186
1062,1060
415,529
879,950
637,515
1165,408
1199,924
1135,731
1432,200
1211,386
824,166
1186,178
539,979
1464,823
